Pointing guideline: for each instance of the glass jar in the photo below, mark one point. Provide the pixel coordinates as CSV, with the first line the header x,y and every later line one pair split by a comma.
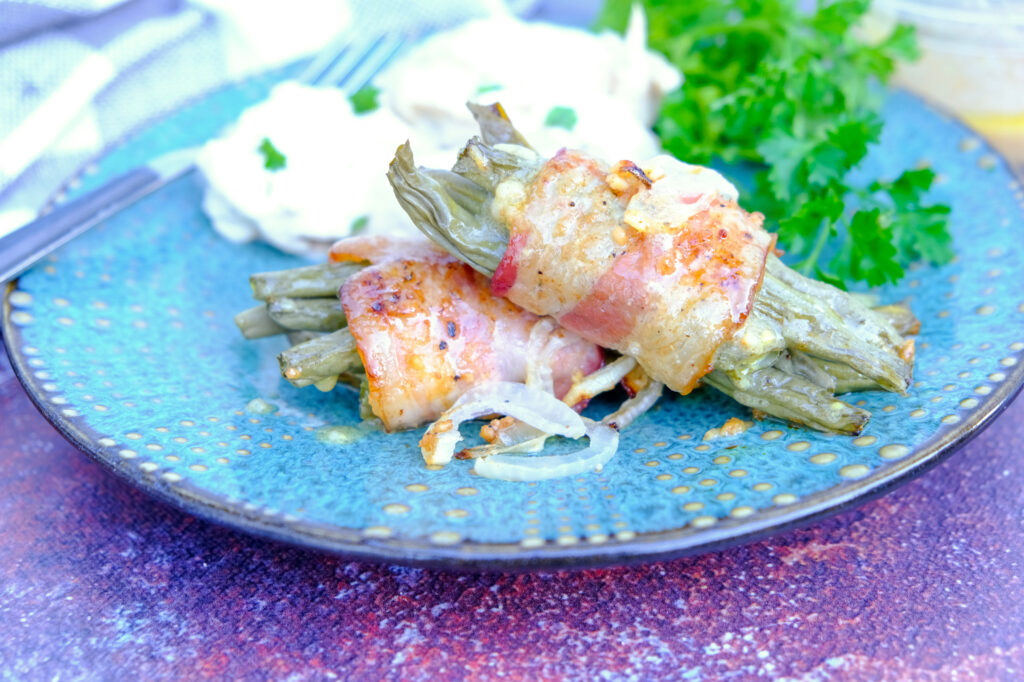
x,y
972,62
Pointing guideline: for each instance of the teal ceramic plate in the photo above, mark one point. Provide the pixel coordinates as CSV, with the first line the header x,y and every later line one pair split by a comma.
x,y
124,339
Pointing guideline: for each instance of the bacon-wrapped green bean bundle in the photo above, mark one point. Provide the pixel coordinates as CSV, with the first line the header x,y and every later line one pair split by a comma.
x,y
658,261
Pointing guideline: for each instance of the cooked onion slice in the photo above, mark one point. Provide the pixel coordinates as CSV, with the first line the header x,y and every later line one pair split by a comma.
x,y
604,379
510,432
538,361
604,441
635,406
535,407
532,444
507,432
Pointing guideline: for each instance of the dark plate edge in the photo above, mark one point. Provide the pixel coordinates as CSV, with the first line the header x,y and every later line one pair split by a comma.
x,y
483,557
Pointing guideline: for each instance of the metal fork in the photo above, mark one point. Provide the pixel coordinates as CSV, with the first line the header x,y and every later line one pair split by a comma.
x,y
348,62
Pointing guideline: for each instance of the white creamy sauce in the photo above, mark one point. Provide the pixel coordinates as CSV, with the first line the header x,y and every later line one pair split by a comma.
x,y
686,178
679,192
562,87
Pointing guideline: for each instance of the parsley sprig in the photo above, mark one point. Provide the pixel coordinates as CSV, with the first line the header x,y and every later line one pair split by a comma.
x,y
273,160
365,99
561,117
795,95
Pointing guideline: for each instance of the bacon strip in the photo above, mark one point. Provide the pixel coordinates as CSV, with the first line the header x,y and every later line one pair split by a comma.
x,y
656,261
428,329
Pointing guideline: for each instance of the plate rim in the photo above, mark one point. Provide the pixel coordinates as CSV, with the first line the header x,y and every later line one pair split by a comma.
x,y
470,555
476,556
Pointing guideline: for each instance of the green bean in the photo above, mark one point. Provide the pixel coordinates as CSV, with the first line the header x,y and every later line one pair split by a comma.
x,y
464,192
321,358
866,299
824,322
326,384
759,342
803,339
756,345
354,378
452,207
297,337
900,317
488,166
846,379
495,126
855,314
803,365
256,323
792,398
834,376
475,238
365,409
311,281
307,314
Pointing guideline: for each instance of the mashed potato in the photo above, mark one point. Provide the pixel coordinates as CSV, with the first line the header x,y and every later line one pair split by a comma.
x,y
563,87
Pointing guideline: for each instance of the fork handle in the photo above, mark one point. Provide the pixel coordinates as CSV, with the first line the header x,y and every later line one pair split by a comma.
x,y
27,244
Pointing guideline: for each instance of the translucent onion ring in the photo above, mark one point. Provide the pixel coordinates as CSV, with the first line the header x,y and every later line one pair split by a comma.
x,y
634,407
604,441
533,406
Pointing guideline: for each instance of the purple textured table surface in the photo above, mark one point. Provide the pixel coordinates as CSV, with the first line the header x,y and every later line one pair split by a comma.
x,y
99,581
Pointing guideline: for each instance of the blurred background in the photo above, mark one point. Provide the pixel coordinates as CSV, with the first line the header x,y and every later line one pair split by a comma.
x,y
972,61
912,586
77,75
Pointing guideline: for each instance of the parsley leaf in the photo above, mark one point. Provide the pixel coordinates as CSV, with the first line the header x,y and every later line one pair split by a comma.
x,y
561,117
358,225
795,95
273,160
365,99
487,87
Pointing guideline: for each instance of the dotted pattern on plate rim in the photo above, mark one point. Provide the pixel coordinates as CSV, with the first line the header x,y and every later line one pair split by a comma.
x,y
82,330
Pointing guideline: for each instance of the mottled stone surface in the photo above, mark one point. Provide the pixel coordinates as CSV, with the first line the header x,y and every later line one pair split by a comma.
x,y
99,581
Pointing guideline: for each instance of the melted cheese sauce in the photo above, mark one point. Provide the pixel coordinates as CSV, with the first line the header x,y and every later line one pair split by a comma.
x,y
679,192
